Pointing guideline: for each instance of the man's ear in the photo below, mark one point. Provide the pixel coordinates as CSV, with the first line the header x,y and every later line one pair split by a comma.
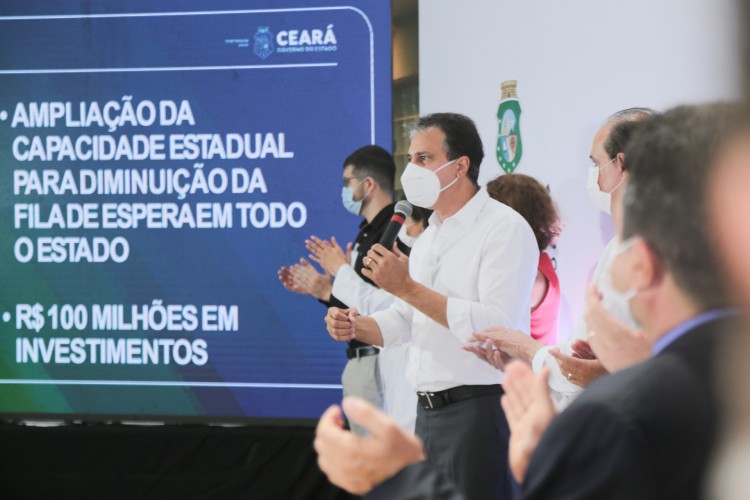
x,y
369,185
620,162
645,269
463,166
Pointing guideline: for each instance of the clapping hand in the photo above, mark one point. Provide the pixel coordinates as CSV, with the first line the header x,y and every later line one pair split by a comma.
x,y
616,344
529,410
328,254
358,463
515,344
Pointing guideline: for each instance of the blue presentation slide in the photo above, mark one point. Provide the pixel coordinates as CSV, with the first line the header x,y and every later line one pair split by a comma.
x,y
159,162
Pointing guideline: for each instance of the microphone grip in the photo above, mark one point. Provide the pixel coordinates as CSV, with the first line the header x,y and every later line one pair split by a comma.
x,y
391,230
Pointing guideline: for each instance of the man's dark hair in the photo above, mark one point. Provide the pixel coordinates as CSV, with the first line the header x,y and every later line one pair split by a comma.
x,y
625,123
461,138
670,160
376,162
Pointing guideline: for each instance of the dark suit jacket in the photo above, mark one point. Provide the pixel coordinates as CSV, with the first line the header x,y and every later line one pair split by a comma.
x,y
642,433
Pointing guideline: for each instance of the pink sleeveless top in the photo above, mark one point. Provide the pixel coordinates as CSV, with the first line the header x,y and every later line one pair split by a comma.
x,y
545,317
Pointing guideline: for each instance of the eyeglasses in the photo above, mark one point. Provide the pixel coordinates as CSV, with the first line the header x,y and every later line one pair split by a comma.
x,y
347,180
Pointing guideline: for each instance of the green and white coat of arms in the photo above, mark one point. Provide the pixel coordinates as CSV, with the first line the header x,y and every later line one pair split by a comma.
x,y
509,145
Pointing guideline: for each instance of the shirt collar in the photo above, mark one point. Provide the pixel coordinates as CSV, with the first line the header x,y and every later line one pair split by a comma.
x,y
466,214
694,322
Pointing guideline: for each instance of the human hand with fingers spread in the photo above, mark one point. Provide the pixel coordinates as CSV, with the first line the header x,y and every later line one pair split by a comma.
x,y
328,254
358,463
287,280
529,410
388,269
310,281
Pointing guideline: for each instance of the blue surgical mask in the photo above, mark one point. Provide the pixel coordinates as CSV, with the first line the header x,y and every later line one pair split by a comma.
x,y
347,198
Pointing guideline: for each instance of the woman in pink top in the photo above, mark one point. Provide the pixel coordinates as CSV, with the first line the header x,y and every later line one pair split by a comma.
x,y
529,198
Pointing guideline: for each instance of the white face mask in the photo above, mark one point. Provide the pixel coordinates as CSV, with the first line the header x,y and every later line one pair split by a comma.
x,y
625,296
405,238
602,200
422,185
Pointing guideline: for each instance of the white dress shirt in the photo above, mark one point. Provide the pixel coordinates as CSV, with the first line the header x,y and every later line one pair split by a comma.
x,y
563,391
355,292
484,260
399,400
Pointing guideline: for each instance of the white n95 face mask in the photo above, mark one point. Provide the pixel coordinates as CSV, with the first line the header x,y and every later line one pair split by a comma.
x,y
601,199
422,185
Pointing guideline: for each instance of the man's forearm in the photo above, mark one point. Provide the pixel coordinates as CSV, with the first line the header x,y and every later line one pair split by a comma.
x,y
427,301
367,331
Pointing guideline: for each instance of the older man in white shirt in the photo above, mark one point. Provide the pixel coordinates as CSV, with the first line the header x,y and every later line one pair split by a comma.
x,y
473,267
608,325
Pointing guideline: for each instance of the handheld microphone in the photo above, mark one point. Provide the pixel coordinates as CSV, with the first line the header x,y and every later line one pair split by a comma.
x,y
400,213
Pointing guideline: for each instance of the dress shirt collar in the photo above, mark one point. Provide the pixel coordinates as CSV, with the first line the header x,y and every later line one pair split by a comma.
x,y
694,322
466,214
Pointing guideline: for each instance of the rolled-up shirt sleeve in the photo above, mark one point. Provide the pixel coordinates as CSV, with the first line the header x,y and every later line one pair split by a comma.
x,y
395,323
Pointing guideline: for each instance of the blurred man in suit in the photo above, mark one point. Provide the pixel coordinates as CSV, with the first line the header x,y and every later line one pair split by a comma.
x,y
729,206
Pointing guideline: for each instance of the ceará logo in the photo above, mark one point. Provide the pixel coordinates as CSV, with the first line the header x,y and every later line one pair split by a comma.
x,y
307,40
263,42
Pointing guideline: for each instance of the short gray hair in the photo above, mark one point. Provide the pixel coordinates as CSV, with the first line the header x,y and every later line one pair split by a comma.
x,y
626,122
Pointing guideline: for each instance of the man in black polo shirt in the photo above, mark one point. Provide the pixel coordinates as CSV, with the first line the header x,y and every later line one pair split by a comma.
x,y
367,191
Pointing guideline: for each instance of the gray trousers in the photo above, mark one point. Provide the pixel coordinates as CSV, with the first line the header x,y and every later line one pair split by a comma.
x,y
361,378
468,440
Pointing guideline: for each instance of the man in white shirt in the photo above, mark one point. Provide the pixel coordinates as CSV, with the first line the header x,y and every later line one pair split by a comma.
x,y
607,324
473,267
367,191
399,399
